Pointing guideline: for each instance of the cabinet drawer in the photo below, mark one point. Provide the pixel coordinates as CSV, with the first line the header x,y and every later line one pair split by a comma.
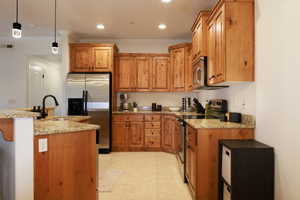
x,y
152,132
152,118
152,125
152,141
226,164
133,117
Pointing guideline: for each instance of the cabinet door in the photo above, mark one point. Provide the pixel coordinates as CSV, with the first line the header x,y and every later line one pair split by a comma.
x,y
195,44
126,74
81,59
168,134
103,59
200,49
136,134
119,135
178,69
160,75
211,52
143,73
220,48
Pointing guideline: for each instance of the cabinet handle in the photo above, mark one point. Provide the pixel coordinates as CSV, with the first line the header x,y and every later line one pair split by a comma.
x,y
218,75
212,77
246,63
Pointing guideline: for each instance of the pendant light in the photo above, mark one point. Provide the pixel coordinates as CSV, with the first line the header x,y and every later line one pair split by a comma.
x,y
17,27
54,47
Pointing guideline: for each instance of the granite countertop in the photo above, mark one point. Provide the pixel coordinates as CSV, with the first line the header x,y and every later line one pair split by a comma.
x,y
4,114
47,127
216,123
157,112
70,118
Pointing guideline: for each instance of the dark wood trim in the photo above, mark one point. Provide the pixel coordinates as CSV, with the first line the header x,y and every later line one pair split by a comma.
x,y
7,129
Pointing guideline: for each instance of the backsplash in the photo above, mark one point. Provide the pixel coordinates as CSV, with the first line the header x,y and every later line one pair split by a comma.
x,y
240,97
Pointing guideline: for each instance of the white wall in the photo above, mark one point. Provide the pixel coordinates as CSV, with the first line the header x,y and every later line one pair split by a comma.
x,y
277,85
141,45
13,69
14,66
52,83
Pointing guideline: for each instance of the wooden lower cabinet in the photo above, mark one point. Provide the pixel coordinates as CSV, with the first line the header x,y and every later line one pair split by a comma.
x,y
203,159
136,135
119,135
67,171
168,134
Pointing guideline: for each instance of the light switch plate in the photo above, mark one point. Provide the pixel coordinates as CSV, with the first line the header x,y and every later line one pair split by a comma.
x,y
43,145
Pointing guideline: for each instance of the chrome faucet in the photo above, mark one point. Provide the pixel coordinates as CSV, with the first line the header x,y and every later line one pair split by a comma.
x,y
44,114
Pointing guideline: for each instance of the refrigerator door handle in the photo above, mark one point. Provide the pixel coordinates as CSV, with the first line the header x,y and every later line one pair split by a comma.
x,y
86,101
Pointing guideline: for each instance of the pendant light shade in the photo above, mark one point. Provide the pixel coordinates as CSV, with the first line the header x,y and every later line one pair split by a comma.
x,y
55,47
17,27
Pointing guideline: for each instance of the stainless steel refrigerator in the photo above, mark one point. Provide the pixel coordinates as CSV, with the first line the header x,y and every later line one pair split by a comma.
x,y
91,94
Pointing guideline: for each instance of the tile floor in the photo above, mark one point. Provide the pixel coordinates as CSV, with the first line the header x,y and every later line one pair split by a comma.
x,y
145,176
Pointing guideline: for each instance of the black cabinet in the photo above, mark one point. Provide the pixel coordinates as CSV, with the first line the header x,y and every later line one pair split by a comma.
x,y
246,170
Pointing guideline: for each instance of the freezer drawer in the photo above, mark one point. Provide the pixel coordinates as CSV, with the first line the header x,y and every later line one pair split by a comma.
x,y
226,165
226,192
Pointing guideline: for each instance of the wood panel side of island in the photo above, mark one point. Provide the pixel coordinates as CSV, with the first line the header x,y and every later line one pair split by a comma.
x,y
7,129
67,171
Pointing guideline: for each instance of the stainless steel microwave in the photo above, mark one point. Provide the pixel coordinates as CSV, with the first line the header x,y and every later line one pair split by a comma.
x,y
200,73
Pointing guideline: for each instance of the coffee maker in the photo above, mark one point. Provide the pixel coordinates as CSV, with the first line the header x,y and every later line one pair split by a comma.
x,y
124,102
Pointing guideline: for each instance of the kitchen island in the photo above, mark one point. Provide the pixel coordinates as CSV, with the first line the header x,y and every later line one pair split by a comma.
x,y
47,159
65,160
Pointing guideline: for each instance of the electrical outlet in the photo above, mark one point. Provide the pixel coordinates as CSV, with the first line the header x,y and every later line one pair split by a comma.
x,y
43,145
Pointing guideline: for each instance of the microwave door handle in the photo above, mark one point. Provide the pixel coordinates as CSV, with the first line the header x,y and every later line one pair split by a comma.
x,y
86,101
198,75
83,101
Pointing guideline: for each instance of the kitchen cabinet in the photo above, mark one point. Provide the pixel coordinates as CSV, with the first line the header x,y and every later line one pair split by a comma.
x,y
153,132
119,135
125,74
142,72
160,75
89,57
180,73
231,42
168,134
81,58
136,134
103,59
199,36
128,132
203,158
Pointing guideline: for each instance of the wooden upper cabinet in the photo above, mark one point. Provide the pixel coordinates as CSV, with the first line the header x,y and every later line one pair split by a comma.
x,y
81,58
199,30
161,74
181,68
231,42
126,73
103,59
88,57
178,69
143,73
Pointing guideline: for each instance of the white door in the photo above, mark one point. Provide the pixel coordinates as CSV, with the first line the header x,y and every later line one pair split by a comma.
x,y
36,85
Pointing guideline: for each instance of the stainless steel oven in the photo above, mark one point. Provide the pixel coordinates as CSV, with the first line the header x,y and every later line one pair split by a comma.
x,y
181,154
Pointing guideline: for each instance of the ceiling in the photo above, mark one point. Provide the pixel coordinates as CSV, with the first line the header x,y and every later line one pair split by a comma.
x,y
122,18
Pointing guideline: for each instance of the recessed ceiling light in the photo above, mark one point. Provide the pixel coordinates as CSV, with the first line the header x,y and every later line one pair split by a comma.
x,y
166,1
162,26
100,26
